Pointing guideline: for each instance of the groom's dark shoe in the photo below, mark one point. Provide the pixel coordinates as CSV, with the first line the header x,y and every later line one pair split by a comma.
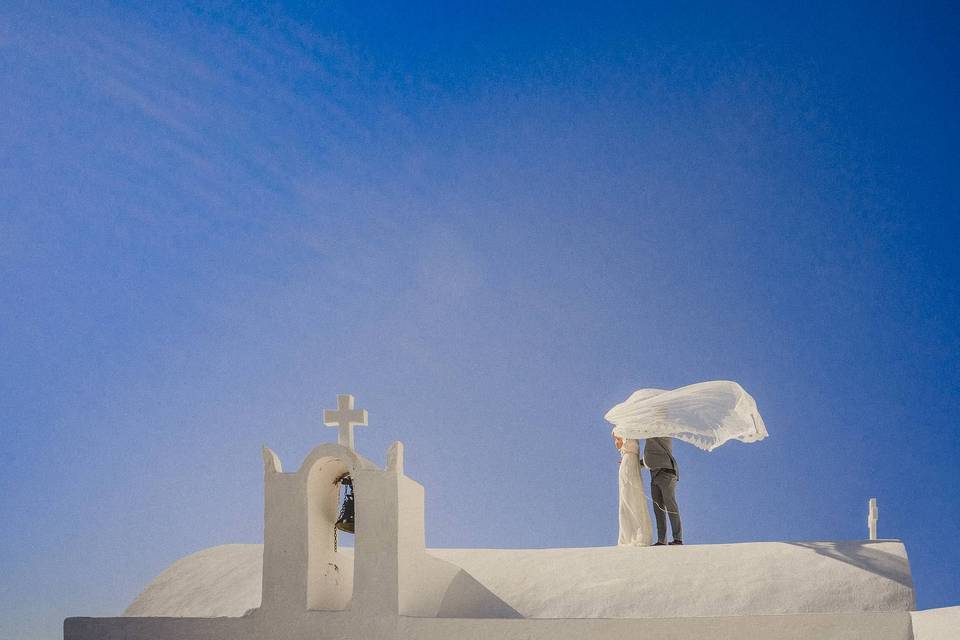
x,y
677,542
659,544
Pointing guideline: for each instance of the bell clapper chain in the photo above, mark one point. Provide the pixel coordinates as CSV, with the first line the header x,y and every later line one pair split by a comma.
x,y
346,513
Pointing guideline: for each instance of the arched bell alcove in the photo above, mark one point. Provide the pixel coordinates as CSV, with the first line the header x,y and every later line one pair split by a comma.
x,y
329,569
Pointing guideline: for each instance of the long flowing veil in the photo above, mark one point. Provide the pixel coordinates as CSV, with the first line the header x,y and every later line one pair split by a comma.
x,y
705,414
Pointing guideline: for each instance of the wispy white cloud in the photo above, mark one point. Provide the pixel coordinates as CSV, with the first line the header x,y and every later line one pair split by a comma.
x,y
228,113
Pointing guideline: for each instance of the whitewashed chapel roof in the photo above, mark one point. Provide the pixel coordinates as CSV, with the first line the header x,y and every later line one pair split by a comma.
x,y
602,582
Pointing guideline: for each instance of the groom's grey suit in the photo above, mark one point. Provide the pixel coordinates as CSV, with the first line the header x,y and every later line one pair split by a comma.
x,y
664,474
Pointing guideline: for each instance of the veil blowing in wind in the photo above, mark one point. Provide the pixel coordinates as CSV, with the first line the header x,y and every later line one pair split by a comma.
x,y
705,414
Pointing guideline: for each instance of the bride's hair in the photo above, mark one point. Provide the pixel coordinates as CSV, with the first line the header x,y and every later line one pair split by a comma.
x,y
617,440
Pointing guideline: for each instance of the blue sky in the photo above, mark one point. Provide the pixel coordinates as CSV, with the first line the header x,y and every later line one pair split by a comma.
x,y
491,223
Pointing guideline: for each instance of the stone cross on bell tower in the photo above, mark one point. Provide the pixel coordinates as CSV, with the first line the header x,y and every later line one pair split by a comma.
x,y
345,418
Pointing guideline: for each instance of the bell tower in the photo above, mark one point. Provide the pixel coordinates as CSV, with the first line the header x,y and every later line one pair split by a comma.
x,y
303,569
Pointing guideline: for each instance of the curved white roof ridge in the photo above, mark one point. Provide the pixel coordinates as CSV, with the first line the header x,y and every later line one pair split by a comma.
x,y
756,578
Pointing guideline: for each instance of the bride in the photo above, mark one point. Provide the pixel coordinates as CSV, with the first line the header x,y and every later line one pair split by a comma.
x,y
635,526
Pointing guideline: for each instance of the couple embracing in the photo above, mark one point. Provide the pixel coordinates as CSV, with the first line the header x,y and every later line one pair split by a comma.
x,y
635,527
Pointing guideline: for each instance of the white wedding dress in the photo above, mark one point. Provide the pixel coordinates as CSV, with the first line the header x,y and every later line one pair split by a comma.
x,y
635,526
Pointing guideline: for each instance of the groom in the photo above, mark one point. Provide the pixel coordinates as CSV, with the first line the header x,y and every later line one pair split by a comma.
x,y
664,475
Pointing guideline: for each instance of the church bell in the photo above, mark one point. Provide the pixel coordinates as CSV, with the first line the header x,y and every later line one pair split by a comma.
x,y
345,521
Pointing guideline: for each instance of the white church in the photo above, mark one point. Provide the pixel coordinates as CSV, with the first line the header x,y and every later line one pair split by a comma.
x,y
300,584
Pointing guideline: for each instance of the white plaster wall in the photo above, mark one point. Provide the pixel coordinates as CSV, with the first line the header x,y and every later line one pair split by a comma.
x,y
284,534
885,626
398,575
937,624
219,581
346,625
329,574
694,580
376,544
609,582
300,568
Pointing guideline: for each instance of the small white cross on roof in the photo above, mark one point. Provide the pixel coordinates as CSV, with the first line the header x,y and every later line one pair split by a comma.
x,y
345,418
